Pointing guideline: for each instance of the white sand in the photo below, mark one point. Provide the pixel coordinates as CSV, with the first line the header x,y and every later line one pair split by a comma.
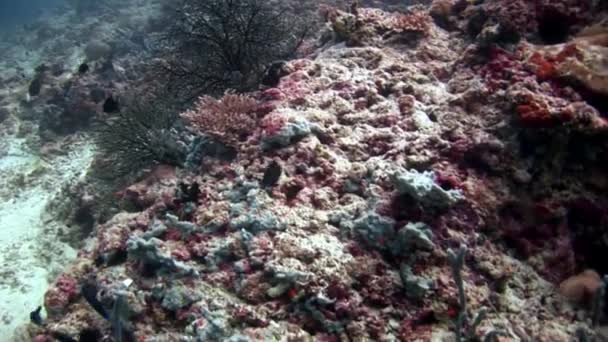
x,y
30,252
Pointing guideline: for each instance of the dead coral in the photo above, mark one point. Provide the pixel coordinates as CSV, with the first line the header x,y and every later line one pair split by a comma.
x,y
372,26
414,22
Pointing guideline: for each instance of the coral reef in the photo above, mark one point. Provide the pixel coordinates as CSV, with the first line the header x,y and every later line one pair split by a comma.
x,y
329,205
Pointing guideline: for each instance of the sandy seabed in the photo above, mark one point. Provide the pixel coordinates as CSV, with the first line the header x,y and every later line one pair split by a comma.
x,y
30,251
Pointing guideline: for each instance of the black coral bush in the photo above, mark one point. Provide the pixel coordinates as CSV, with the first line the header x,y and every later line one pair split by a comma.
x,y
147,131
215,45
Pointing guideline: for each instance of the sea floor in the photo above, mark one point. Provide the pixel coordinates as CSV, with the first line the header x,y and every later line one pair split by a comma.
x,y
31,252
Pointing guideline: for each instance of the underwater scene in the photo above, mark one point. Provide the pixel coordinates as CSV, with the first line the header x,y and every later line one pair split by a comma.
x,y
303,170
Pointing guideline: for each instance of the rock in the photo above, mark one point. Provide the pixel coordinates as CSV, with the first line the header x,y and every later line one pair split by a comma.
x,y
4,114
375,230
179,297
441,11
415,287
213,326
67,120
257,222
150,253
96,50
289,133
413,237
422,187
422,121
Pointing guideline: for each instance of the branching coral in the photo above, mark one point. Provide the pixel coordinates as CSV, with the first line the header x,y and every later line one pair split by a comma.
x,y
227,120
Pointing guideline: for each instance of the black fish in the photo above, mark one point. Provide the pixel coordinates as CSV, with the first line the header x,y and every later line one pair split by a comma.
x,y
83,68
89,292
35,316
35,86
189,193
111,105
272,174
274,73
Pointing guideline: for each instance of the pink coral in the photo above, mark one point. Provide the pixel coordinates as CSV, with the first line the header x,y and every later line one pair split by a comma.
x,y
228,119
61,294
273,123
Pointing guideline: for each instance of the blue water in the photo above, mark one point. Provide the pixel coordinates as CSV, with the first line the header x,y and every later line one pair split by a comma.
x,y
18,12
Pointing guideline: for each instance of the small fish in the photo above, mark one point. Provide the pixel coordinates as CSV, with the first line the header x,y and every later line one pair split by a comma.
x,y
35,86
274,73
272,174
83,68
189,193
35,316
111,105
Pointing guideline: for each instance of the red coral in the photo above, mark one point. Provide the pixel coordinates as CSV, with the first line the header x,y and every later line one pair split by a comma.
x,y
546,65
503,69
570,50
293,88
534,113
544,68
538,114
43,338
197,249
272,94
62,293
